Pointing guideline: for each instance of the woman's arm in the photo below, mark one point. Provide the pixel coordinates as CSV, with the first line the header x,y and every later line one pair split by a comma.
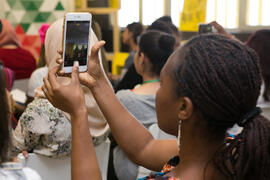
x,y
84,164
70,98
132,137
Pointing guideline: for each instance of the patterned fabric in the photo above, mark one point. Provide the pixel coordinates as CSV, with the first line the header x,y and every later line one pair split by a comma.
x,y
43,129
15,171
165,170
172,164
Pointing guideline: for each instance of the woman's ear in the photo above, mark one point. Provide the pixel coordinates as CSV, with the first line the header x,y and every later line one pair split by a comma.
x,y
185,108
141,58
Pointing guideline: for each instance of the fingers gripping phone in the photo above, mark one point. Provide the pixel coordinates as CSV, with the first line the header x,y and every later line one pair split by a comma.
x,y
76,40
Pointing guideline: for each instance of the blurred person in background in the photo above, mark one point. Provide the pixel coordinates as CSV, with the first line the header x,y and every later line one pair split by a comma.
x,y
154,48
12,53
9,170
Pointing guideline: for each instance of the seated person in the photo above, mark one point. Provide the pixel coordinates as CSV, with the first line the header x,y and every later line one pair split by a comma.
x,y
176,32
131,77
202,94
259,41
9,170
12,54
129,37
154,48
45,129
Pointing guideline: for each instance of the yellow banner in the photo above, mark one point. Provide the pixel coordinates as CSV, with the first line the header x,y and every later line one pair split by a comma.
x,y
194,12
115,4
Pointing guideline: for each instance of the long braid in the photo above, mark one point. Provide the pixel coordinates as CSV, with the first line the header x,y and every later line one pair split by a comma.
x,y
247,156
222,78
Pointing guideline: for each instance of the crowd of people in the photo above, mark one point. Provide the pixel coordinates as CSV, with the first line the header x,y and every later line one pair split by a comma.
x,y
197,91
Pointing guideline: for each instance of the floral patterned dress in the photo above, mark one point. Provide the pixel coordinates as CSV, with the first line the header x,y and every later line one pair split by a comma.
x,y
43,129
165,170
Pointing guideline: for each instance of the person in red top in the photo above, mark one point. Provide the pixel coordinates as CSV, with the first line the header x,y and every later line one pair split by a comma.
x,y
21,61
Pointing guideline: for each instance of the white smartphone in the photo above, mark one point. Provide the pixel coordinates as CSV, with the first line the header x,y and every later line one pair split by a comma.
x,y
76,33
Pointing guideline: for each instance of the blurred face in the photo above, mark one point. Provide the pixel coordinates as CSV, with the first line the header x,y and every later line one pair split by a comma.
x,y
166,101
126,35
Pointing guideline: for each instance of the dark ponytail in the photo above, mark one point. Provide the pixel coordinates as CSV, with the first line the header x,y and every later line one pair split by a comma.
x,y
247,156
157,47
222,78
4,121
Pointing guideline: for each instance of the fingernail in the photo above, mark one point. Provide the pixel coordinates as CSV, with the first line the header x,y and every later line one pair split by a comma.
x,y
76,63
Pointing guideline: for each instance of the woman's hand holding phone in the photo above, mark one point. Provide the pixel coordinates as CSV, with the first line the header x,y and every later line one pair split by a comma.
x,y
69,98
220,29
94,72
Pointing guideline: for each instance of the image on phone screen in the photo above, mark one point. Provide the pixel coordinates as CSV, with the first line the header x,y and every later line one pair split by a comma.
x,y
77,37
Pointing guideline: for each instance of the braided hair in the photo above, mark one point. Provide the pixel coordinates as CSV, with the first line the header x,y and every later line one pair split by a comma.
x,y
222,78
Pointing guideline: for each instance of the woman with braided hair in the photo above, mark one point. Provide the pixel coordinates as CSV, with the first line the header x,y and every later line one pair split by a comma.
x,y
207,86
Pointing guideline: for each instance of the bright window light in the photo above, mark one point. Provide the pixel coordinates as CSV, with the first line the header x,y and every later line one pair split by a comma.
x,y
221,12
129,12
210,11
225,12
265,13
176,9
253,17
232,11
152,10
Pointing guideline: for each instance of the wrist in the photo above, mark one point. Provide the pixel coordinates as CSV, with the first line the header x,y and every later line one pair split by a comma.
x,y
80,112
99,84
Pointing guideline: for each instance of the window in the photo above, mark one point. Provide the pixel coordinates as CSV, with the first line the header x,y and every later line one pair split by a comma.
x,y
225,12
176,9
258,12
151,10
129,12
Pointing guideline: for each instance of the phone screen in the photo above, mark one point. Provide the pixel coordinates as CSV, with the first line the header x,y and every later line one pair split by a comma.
x,y
205,28
76,47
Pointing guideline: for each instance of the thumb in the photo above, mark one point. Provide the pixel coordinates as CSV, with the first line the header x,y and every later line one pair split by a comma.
x,y
75,72
95,49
